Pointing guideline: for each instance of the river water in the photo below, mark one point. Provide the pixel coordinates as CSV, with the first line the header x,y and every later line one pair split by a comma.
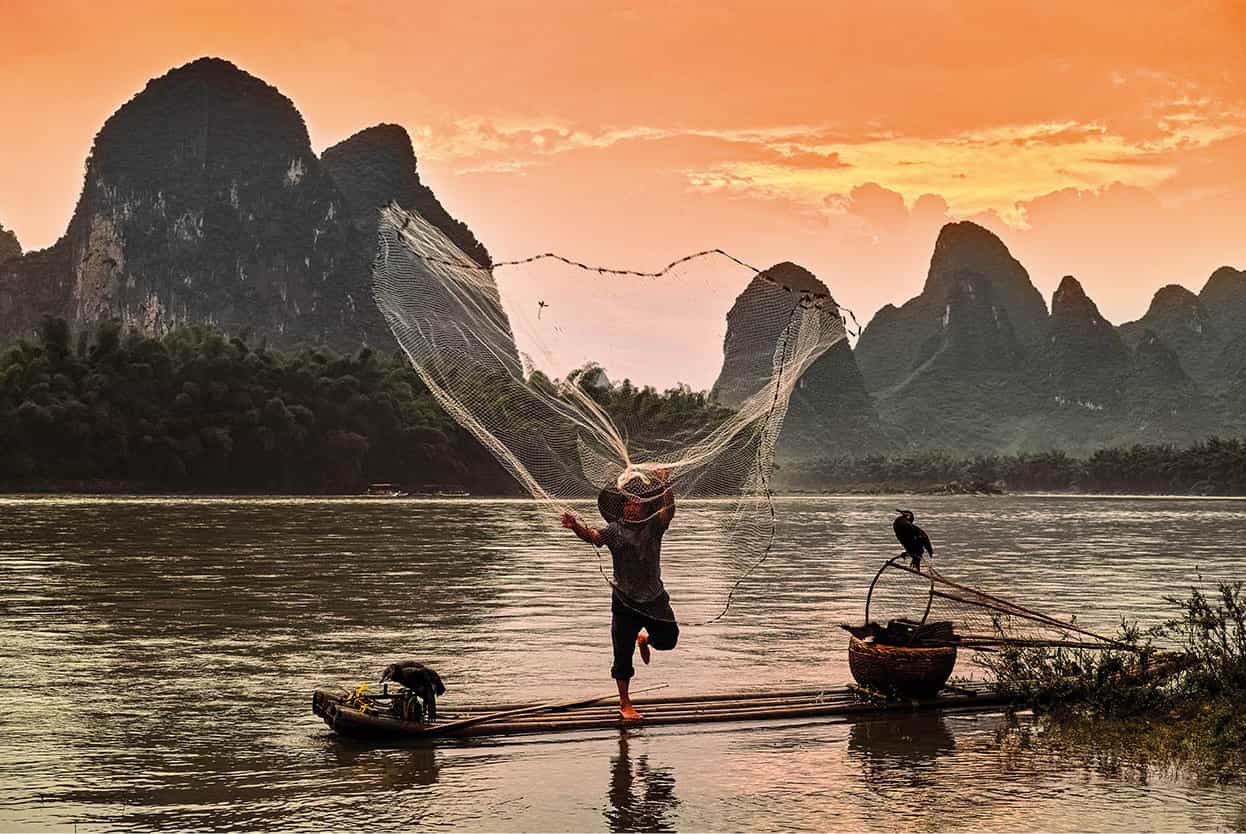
x,y
159,656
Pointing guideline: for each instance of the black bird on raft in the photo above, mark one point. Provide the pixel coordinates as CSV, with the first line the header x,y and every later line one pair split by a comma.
x,y
914,539
423,682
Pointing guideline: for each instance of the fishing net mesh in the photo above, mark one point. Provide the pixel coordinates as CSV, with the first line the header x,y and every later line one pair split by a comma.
x,y
979,617
523,356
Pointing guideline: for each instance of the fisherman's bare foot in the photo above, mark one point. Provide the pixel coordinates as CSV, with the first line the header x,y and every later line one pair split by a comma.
x,y
642,640
629,713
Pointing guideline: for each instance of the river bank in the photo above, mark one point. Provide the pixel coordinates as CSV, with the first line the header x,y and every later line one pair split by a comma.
x,y
1173,691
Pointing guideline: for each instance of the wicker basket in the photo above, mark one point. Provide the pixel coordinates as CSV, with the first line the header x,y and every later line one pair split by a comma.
x,y
900,670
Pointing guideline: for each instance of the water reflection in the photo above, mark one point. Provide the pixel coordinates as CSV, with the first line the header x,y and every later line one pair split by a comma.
x,y
641,798
391,767
900,751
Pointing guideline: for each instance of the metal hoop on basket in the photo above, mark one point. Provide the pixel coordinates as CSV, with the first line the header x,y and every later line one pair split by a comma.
x,y
892,563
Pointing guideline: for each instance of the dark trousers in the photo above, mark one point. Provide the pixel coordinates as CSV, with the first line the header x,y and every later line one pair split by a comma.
x,y
626,621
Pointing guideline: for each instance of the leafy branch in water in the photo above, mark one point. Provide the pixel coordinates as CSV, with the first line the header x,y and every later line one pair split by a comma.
x,y
1107,681
1211,632
1183,702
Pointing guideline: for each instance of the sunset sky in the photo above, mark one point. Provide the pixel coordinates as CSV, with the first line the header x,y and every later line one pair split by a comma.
x,y
1103,140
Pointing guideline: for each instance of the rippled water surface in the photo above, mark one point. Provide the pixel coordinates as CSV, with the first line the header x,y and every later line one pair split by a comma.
x,y
159,656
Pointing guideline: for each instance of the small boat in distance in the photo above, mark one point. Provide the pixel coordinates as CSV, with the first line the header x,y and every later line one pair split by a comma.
x,y
435,491
385,491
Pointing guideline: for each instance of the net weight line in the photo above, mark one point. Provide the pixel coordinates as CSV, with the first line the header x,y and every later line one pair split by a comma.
x,y
636,273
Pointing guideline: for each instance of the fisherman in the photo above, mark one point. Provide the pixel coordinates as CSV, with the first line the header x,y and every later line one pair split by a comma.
x,y
640,608
914,538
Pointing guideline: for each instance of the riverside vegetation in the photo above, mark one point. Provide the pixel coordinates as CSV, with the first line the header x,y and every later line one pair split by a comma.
x,y
1181,705
197,411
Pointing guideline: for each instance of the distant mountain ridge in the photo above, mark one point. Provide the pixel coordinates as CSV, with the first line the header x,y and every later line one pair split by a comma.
x,y
204,203
977,364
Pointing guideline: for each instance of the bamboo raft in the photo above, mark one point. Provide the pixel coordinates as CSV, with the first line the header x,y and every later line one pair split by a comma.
x,y
600,713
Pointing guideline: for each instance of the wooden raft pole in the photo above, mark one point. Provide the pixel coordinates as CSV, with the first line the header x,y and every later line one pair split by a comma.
x,y
821,705
750,696
462,724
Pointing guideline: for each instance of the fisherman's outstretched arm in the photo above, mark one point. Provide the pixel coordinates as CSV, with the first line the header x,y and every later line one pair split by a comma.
x,y
588,534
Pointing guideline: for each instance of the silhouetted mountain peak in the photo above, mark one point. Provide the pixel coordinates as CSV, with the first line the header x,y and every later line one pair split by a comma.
x,y
1224,299
1173,298
202,118
969,263
955,239
1071,302
1069,294
377,166
211,68
1178,318
1225,282
9,245
204,203
1087,359
830,411
968,246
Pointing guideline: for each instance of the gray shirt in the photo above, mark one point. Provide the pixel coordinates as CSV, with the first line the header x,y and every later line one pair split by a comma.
x,y
636,551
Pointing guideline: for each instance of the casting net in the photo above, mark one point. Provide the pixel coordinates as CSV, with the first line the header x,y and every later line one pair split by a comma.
x,y
580,378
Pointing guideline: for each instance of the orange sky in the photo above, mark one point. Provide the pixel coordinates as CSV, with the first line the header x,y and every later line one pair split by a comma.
x,y
1103,140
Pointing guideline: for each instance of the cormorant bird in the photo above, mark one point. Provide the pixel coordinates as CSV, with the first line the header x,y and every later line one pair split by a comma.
x,y
422,681
540,308
912,537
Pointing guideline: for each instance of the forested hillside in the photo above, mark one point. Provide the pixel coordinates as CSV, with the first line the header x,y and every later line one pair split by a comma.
x,y
196,411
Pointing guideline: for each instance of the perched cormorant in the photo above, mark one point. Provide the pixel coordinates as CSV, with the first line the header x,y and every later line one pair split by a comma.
x,y
422,681
914,538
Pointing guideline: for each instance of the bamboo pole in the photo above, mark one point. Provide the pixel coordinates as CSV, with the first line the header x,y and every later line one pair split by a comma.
x,y
826,691
838,699
453,726
847,712
974,641
529,719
